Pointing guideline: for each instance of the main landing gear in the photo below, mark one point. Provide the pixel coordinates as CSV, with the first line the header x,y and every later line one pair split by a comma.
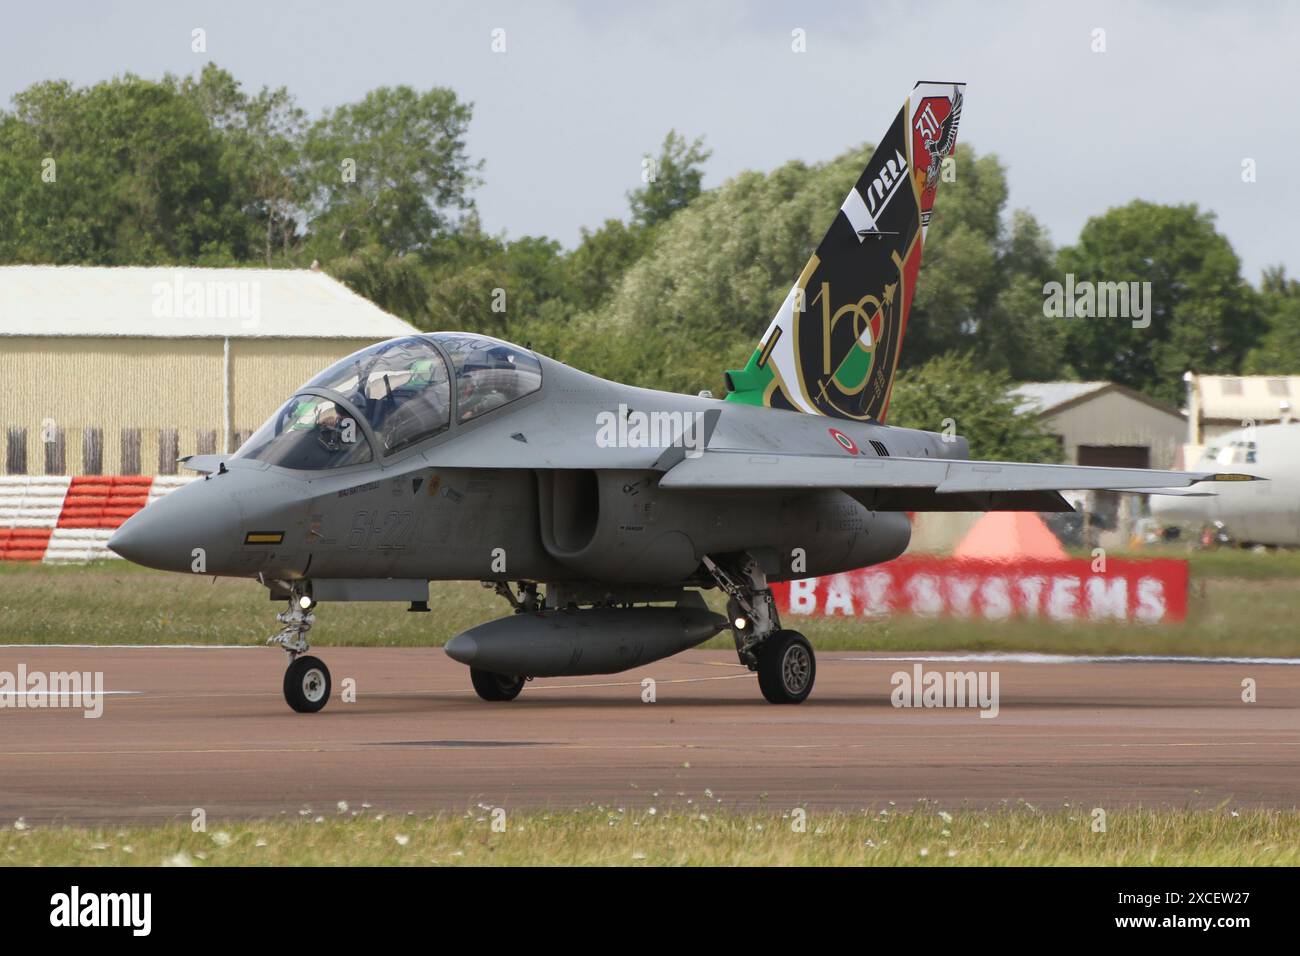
x,y
784,659
307,679
492,686
786,668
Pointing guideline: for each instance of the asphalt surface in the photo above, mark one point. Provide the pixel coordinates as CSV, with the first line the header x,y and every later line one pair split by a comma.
x,y
207,727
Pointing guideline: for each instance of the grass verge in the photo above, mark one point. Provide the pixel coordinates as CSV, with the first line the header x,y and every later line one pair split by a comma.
x,y
1248,606
920,836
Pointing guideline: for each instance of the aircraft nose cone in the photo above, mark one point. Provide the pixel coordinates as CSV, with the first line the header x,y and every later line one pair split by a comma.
x,y
462,648
148,538
166,533
127,540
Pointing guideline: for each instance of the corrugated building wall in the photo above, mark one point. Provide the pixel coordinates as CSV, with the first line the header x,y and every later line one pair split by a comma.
x,y
264,373
1113,418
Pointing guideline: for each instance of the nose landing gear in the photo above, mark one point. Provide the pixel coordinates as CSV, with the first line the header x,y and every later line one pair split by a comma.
x,y
307,679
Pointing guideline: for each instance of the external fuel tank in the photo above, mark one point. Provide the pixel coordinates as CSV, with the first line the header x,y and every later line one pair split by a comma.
x,y
571,642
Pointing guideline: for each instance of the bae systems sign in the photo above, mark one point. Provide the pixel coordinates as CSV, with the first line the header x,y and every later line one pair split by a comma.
x,y
1144,591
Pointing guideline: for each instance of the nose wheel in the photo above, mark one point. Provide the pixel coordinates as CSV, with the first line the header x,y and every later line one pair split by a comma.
x,y
307,684
307,679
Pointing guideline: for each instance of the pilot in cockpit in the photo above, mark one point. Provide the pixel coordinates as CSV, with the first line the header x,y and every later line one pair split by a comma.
x,y
484,383
390,396
413,402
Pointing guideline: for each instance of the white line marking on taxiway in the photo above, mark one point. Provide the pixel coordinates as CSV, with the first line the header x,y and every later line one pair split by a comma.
x,y
142,647
1008,658
70,694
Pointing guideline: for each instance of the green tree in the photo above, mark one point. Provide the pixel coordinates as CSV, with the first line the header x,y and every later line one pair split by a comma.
x,y
397,284
979,289
1203,314
391,170
262,141
1015,336
1278,353
501,293
952,391
677,174
596,267
133,173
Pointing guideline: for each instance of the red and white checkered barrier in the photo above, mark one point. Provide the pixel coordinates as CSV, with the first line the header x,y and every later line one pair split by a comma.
x,y
54,518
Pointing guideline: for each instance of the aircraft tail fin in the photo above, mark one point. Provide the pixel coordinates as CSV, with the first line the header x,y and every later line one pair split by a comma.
x,y
833,347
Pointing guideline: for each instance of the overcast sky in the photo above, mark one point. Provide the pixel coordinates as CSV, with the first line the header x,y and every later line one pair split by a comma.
x,y
1183,93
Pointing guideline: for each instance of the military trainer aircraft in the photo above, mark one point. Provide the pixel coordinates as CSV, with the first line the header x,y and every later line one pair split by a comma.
x,y
601,511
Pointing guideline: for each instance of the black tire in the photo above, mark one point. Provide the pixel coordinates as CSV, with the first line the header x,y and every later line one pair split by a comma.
x,y
492,686
787,668
307,684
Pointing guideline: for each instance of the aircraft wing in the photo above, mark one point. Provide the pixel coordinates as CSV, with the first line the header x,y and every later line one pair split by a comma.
x,y
735,470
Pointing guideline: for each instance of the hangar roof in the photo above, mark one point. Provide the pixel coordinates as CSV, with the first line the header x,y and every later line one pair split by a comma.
x,y
1044,398
171,302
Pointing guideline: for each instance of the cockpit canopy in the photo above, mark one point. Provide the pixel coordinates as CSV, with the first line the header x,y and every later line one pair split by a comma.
x,y
1233,453
402,390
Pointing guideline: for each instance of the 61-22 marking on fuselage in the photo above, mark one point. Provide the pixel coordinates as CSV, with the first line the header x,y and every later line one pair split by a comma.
x,y
391,533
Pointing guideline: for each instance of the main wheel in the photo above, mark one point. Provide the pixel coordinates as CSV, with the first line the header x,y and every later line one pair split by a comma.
x,y
786,668
493,686
307,685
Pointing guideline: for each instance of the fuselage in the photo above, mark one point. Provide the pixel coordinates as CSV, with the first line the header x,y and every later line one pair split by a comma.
x,y
559,484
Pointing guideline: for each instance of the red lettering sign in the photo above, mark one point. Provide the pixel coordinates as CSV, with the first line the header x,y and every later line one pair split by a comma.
x,y
1146,591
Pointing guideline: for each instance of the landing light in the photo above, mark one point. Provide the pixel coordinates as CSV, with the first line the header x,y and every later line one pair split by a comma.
x,y
741,623
305,602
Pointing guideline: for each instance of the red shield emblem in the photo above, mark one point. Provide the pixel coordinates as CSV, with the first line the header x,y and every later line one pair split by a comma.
x,y
934,137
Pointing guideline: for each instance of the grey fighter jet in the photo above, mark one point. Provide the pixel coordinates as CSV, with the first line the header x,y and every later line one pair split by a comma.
x,y
601,511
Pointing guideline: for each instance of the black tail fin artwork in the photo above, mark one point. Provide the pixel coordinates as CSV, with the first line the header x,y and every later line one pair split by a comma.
x,y
833,347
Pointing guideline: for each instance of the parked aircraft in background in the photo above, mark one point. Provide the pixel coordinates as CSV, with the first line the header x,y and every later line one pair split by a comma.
x,y
1257,512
